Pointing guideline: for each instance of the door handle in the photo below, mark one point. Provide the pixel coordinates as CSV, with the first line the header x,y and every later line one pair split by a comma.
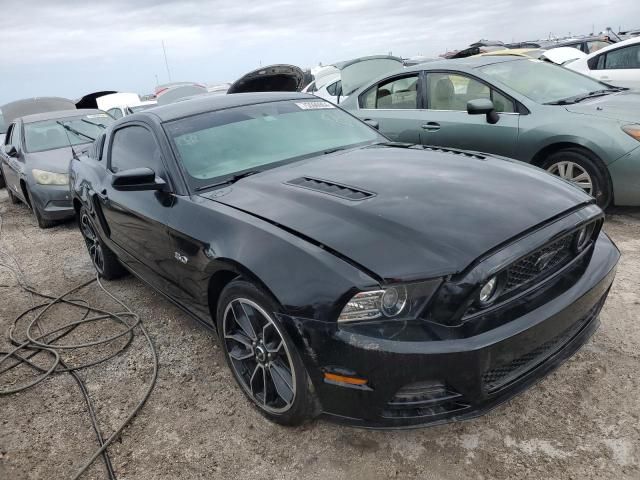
x,y
102,194
431,126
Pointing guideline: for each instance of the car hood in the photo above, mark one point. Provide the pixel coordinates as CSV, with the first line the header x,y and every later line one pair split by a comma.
x,y
623,106
427,214
56,161
274,78
357,72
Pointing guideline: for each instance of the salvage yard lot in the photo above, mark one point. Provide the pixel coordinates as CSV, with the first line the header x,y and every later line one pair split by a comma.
x,y
583,421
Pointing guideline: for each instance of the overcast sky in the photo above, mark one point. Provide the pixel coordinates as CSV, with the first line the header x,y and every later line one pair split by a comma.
x,y
72,47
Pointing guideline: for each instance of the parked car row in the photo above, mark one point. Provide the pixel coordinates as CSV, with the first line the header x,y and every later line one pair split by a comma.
x,y
389,272
573,126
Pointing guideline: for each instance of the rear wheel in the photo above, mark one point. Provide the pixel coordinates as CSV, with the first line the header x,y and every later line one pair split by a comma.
x,y
261,355
582,169
104,260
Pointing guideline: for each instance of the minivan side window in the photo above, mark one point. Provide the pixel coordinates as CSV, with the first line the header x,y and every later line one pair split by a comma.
x,y
135,147
397,93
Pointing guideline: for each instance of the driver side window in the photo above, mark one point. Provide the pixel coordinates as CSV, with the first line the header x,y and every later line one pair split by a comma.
x,y
451,91
135,147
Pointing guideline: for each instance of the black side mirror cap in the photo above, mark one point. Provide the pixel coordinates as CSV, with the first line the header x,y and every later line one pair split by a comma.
x,y
137,179
10,150
372,123
483,106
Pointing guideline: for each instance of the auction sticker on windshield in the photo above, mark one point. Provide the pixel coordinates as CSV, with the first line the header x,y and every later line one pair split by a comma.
x,y
314,105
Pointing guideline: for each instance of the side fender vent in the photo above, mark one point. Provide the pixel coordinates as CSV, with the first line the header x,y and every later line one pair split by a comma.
x,y
331,188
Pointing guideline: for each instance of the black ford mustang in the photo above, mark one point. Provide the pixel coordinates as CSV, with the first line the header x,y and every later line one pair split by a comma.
x,y
381,284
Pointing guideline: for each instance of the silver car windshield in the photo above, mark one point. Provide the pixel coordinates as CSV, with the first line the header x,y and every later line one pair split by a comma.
x,y
60,133
218,144
541,81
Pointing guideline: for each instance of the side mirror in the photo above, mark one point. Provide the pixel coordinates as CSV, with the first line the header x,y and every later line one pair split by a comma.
x,y
10,150
372,123
137,179
483,106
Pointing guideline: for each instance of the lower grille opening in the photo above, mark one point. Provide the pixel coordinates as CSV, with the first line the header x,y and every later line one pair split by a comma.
x,y
424,399
502,375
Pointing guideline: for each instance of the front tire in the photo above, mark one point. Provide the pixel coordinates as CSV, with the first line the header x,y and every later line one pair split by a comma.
x,y
261,356
583,169
40,220
104,260
12,198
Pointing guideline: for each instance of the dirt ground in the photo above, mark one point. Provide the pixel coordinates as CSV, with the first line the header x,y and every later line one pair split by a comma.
x,y
581,422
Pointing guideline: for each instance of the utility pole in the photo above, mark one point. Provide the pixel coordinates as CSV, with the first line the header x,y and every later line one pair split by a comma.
x,y
166,62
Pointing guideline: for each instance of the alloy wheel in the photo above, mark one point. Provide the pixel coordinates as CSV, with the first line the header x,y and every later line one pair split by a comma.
x,y
93,242
259,355
574,173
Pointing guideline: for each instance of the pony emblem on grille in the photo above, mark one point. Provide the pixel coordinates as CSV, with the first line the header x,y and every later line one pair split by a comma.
x,y
544,259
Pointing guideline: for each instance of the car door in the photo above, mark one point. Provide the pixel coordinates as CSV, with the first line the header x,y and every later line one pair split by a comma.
x,y
445,121
619,67
136,220
396,104
12,167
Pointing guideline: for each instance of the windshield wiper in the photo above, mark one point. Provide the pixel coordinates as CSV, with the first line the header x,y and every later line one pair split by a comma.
x,y
74,131
229,180
579,98
93,123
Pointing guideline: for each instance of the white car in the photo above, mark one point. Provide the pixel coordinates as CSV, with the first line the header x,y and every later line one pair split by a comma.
x,y
617,64
122,104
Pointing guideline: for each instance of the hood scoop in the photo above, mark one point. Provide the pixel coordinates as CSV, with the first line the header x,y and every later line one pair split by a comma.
x,y
331,188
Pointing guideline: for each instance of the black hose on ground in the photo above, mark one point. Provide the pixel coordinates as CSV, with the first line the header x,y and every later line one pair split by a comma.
x,y
46,342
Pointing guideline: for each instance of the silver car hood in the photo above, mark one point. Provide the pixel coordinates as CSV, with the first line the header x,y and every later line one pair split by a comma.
x,y
623,106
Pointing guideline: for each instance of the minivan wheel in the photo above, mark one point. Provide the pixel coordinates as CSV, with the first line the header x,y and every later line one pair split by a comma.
x,y
104,260
583,170
261,356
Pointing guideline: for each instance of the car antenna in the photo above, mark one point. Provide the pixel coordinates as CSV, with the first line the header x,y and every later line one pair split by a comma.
x,y
74,155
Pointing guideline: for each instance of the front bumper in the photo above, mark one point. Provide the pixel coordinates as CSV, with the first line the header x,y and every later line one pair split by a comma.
x,y
53,201
625,178
413,383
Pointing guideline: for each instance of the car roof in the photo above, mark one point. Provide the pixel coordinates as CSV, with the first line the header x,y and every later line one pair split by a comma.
x,y
55,115
209,103
467,62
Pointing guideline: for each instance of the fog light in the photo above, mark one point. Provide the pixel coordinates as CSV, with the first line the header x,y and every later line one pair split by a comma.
x,y
488,290
393,301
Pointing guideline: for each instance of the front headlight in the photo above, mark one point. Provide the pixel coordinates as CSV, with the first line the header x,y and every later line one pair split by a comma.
x,y
632,130
43,177
398,301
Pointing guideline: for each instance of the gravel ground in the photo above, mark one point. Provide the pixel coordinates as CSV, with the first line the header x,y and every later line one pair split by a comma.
x,y
580,422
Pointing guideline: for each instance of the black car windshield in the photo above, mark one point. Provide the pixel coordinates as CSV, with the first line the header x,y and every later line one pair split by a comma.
x,y
62,132
220,144
541,81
